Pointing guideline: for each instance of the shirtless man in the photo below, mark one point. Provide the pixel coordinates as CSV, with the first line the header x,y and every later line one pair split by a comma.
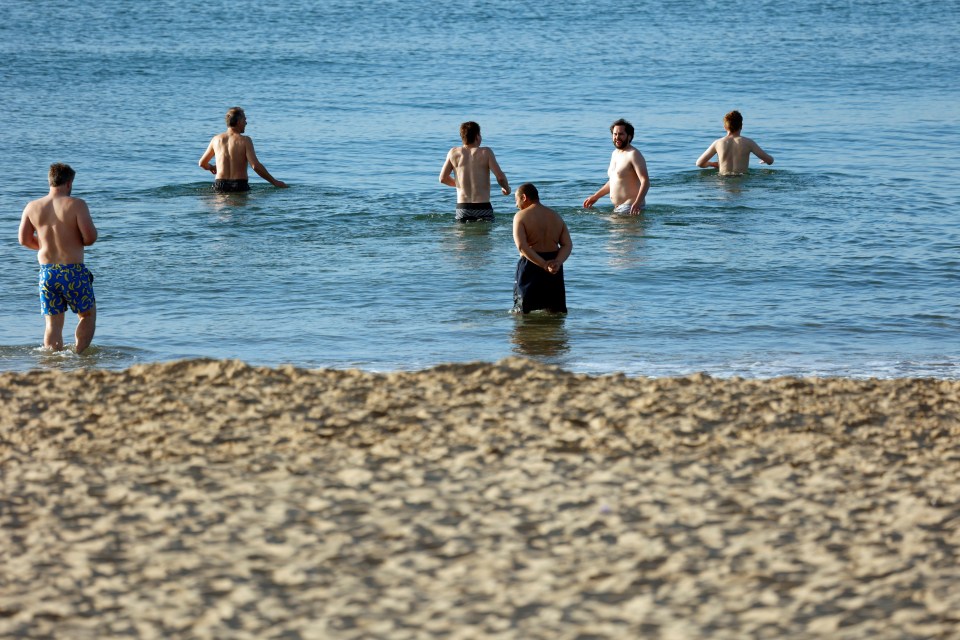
x,y
472,165
234,151
58,227
629,182
733,150
544,244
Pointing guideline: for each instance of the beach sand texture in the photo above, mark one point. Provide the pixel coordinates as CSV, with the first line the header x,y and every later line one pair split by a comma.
x,y
211,499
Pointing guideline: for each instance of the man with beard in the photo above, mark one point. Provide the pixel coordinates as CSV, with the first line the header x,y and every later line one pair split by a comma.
x,y
629,181
234,151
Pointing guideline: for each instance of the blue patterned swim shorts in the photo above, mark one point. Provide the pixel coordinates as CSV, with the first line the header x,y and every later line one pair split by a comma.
x,y
65,284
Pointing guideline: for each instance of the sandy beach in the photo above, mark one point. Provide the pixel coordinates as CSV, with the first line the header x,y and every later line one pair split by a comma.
x,y
211,499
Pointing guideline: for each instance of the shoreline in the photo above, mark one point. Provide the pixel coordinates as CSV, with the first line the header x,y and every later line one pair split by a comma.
x,y
206,498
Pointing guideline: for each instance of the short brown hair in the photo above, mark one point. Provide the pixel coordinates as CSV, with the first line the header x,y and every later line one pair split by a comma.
x,y
530,191
233,116
60,174
733,121
469,132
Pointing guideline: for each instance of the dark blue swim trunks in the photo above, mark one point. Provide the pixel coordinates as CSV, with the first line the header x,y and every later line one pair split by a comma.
x,y
535,288
63,285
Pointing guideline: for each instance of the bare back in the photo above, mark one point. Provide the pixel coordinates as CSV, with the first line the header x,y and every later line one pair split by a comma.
x,y
472,166
542,228
63,228
733,154
231,150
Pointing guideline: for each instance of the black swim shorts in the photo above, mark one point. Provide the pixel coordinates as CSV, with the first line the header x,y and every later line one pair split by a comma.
x,y
231,186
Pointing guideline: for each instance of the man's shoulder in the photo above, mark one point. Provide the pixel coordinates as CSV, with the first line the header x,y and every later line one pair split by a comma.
x,y
543,211
523,214
629,152
39,203
31,208
70,203
227,135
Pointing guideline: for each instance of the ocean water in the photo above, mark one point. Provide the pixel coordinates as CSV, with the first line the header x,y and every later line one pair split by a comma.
x,y
841,259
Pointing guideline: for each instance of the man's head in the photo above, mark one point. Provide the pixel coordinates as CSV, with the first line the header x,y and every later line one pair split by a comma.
x,y
235,116
526,195
469,132
60,174
733,121
622,133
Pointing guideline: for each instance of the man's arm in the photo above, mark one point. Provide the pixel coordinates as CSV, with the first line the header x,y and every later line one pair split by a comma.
x,y
258,167
28,233
566,247
604,191
499,174
703,161
520,239
446,172
640,166
765,157
88,232
206,158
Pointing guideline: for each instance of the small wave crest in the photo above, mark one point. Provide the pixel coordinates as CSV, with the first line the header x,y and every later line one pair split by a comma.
x,y
27,357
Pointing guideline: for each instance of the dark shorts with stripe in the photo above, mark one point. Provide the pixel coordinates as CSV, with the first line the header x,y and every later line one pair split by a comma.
x,y
474,212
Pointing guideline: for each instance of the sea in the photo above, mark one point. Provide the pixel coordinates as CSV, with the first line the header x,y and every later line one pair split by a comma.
x,y
840,259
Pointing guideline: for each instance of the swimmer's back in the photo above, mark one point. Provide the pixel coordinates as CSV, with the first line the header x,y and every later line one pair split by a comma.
x,y
733,154
472,166
60,223
542,226
231,152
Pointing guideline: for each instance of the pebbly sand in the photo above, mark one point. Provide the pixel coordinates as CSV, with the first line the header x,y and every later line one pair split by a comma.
x,y
209,499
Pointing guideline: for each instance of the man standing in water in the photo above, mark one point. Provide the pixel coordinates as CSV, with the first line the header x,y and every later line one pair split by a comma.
x,y
58,227
628,180
733,150
234,151
544,244
472,165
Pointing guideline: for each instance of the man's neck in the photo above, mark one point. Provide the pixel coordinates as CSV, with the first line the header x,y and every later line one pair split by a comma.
x,y
61,191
